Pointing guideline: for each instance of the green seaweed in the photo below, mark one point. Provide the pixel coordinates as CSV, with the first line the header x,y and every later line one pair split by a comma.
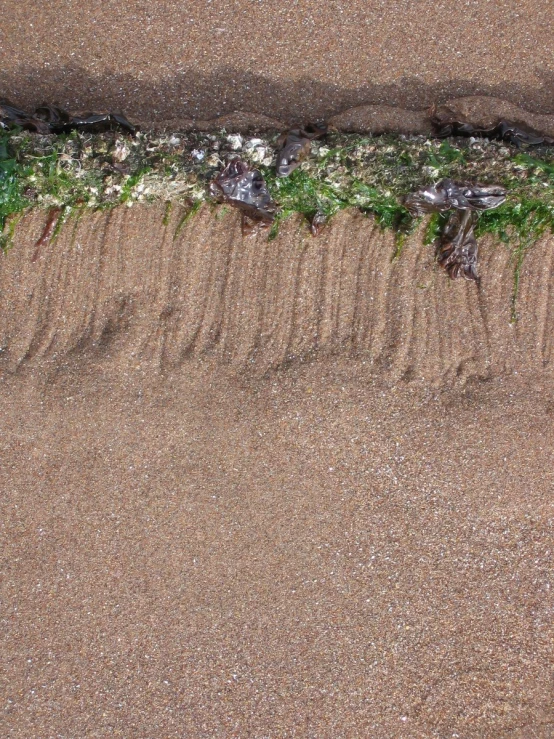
x,y
405,227
303,193
130,183
281,216
433,229
519,225
221,212
12,177
167,212
529,161
62,218
8,230
525,221
187,215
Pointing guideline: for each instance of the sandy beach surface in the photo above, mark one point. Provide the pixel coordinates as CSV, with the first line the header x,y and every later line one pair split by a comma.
x,y
293,61
272,489
308,555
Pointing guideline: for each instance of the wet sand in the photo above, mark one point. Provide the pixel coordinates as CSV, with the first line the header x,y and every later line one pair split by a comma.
x,y
272,490
166,60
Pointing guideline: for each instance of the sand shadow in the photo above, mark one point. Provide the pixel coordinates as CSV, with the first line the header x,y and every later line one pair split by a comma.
x,y
193,94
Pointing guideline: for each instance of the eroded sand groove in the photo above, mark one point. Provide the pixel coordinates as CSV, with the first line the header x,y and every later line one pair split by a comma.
x,y
121,282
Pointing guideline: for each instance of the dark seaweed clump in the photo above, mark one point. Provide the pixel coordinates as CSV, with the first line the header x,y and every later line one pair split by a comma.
x,y
245,189
457,245
294,146
50,119
445,125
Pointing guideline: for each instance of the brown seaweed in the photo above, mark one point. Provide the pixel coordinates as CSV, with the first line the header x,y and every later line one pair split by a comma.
x,y
295,145
50,119
446,125
245,189
457,247
447,194
12,117
53,218
317,223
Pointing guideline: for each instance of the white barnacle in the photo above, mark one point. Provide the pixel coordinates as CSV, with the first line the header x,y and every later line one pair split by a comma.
x,y
235,140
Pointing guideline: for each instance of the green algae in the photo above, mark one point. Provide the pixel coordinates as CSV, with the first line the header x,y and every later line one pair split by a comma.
x,y
12,200
190,210
519,225
167,212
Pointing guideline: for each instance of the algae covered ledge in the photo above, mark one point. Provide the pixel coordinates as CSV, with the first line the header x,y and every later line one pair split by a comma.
x,y
371,173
